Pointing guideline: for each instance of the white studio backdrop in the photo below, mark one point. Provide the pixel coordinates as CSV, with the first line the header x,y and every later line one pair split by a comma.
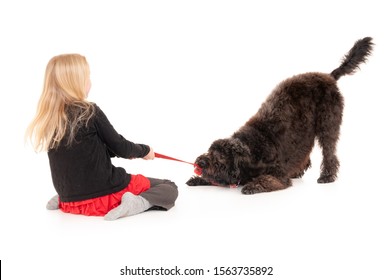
x,y
177,75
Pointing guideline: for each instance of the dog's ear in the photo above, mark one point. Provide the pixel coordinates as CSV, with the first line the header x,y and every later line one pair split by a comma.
x,y
240,155
269,152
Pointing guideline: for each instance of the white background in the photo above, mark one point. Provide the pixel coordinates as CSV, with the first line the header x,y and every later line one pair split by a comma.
x,y
177,75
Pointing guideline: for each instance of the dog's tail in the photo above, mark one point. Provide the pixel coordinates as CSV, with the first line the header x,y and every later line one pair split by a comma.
x,y
357,55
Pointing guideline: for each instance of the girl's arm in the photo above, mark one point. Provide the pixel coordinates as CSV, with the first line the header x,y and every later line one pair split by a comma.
x,y
115,142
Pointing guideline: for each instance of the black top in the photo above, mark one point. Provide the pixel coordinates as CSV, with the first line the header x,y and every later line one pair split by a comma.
x,y
83,169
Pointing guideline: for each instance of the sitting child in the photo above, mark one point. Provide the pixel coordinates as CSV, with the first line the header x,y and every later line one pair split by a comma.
x,y
80,142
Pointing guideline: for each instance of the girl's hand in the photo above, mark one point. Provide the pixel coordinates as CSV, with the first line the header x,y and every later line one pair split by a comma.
x,y
150,155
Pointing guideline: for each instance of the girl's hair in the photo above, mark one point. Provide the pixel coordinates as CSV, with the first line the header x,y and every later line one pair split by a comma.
x,y
66,85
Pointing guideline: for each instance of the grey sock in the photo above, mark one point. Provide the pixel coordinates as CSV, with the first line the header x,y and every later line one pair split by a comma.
x,y
53,203
130,205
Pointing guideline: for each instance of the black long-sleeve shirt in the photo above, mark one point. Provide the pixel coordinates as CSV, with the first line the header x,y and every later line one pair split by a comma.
x,y
83,169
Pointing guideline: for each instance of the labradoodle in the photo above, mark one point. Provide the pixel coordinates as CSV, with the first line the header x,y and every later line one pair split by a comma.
x,y
275,144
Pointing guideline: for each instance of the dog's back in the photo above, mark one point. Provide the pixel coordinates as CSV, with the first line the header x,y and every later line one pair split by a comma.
x,y
297,100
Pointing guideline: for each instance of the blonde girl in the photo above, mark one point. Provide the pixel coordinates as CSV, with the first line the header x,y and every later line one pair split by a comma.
x,y
80,141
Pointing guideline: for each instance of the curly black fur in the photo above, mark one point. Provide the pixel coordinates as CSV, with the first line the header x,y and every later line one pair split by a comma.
x,y
274,146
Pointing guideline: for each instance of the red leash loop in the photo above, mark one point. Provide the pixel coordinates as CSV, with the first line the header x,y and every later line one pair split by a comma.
x,y
198,170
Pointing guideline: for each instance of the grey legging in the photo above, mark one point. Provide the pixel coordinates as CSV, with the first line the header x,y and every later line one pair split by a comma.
x,y
162,193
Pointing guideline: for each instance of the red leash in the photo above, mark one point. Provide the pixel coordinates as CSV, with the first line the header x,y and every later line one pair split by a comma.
x,y
198,170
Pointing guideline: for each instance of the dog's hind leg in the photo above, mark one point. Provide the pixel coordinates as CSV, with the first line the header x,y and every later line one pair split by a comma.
x,y
329,165
327,131
266,183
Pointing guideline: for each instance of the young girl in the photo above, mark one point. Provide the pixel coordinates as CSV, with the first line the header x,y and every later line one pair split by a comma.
x,y
80,142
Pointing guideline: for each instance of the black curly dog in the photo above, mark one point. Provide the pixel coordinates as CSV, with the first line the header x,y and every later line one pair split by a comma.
x,y
275,144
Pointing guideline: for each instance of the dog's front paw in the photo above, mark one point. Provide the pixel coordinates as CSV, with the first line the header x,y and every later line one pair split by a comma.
x,y
250,189
266,183
197,181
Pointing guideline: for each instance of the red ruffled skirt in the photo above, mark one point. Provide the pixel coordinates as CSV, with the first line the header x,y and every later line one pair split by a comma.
x,y
100,206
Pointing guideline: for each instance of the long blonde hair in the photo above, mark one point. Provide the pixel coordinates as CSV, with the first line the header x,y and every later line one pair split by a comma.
x,y
66,85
